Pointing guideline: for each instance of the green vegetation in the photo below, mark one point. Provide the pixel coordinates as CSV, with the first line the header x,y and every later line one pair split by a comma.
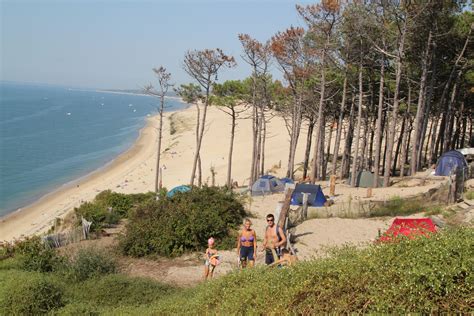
x,y
109,207
469,195
171,226
426,275
90,263
396,206
29,293
33,255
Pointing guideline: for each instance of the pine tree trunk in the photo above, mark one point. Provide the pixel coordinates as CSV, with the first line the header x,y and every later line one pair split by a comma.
x,y
160,136
393,121
431,153
416,141
399,145
447,145
348,143
296,125
339,127
405,142
321,148
359,119
319,122
253,172
309,137
231,149
426,116
264,138
328,150
200,135
378,128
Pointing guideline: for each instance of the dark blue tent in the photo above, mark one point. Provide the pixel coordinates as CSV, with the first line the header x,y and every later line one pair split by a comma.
x,y
286,180
181,188
316,196
267,184
449,161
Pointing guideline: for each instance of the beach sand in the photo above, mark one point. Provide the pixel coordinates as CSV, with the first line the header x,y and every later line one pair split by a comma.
x,y
134,170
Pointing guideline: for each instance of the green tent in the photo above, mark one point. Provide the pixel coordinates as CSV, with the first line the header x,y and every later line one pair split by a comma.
x,y
365,179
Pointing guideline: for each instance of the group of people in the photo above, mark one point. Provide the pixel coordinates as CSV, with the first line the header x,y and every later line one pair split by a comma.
x,y
273,242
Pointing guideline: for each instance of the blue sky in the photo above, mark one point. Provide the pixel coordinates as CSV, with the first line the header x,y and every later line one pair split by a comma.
x,y
114,44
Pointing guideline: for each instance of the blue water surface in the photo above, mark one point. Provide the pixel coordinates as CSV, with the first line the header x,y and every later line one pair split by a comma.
x,y
50,135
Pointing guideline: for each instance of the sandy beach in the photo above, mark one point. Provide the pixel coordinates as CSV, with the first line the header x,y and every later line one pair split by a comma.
x,y
134,170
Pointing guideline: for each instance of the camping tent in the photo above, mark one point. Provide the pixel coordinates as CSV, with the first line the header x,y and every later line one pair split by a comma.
x,y
449,161
365,179
409,227
286,180
267,185
316,196
181,188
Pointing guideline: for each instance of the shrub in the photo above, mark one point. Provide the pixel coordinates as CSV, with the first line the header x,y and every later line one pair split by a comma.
x,y
75,308
469,195
109,207
31,294
34,255
172,226
424,275
397,206
97,213
117,290
89,263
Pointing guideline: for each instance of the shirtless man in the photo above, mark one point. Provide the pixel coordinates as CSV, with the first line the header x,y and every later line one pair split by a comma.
x,y
274,239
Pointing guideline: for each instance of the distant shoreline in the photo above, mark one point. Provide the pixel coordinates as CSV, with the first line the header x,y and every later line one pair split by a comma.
x,y
37,216
137,93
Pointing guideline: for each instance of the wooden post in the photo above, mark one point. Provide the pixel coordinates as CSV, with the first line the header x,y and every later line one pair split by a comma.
x,y
285,208
369,192
332,185
304,208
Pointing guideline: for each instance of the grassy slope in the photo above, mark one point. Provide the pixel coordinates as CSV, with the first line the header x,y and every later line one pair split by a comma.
x,y
425,275
434,274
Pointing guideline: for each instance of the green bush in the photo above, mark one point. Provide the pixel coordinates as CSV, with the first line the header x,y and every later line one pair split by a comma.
x,y
89,263
109,207
172,226
34,255
469,195
97,213
81,308
425,275
117,290
31,294
396,206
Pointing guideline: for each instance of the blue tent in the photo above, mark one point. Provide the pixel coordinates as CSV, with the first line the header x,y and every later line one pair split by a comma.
x,y
316,196
286,180
267,185
449,161
181,188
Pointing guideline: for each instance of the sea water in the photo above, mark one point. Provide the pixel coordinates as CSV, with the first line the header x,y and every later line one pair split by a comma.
x,y
51,135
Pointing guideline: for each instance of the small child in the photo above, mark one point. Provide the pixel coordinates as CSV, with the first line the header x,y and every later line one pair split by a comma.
x,y
212,259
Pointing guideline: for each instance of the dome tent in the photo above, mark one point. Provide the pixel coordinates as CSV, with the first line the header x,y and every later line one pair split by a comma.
x,y
181,188
449,162
267,184
316,196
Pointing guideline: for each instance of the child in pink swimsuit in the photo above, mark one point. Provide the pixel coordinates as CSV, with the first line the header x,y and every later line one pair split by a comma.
x,y
212,259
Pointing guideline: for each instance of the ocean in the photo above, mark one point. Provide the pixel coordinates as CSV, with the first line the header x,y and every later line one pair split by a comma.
x,y
51,135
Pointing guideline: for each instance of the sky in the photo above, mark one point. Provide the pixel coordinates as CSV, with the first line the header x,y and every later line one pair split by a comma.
x,y
111,44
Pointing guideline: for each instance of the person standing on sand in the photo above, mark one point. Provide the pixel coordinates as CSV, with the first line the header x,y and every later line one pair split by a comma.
x,y
212,259
274,239
247,245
